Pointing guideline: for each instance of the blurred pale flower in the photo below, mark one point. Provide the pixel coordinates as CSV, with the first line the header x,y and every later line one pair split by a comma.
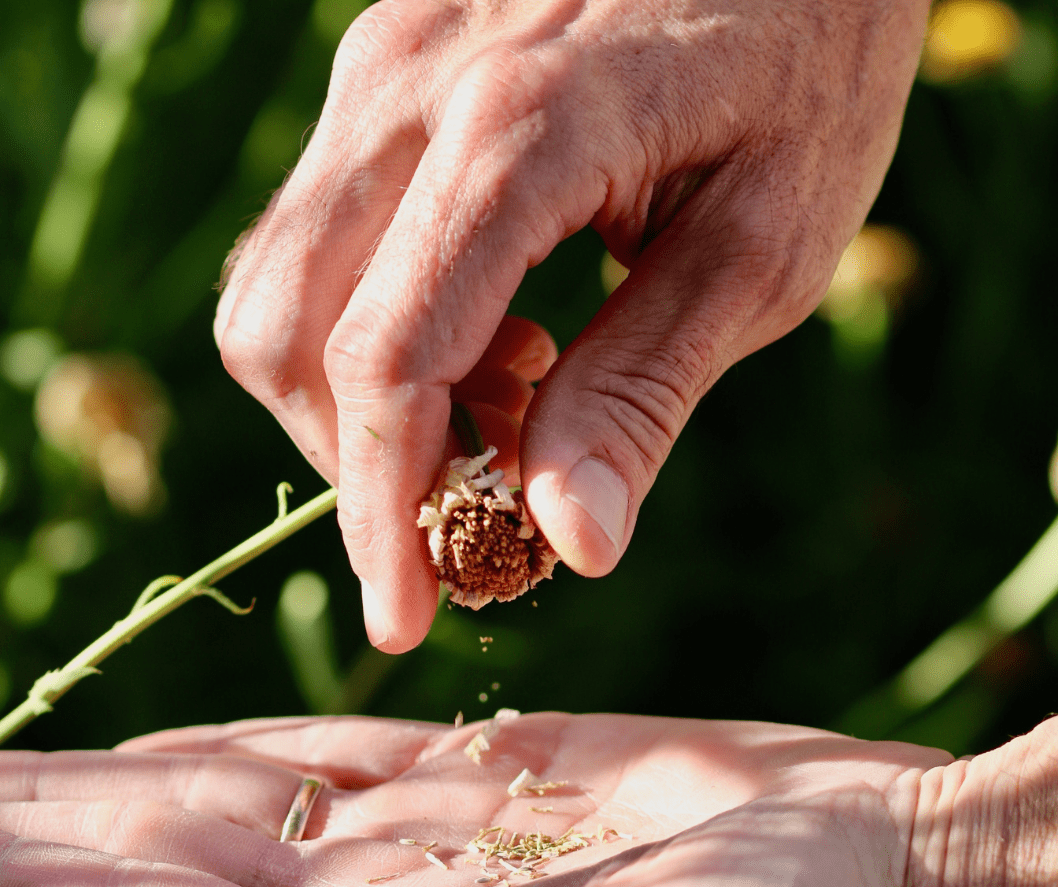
x,y
111,415
105,23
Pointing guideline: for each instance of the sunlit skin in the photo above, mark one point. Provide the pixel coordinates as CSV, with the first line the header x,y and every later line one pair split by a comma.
x,y
726,152
704,803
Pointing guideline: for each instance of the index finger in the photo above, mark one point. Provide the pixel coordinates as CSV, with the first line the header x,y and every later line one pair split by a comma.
x,y
493,194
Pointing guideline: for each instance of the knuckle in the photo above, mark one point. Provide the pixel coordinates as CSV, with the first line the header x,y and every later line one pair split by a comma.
x,y
258,360
506,89
390,36
513,115
363,351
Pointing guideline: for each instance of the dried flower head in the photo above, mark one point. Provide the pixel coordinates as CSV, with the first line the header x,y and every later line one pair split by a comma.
x,y
482,539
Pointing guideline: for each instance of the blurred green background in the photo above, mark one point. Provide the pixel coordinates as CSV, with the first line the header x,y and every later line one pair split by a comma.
x,y
837,502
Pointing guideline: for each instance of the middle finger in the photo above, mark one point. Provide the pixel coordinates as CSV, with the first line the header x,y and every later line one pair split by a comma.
x,y
299,268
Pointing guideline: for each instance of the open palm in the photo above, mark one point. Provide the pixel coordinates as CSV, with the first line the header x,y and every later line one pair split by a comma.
x,y
660,802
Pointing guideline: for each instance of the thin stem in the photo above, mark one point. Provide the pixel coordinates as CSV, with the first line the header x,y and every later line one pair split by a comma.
x,y
467,431
1018,599
55,684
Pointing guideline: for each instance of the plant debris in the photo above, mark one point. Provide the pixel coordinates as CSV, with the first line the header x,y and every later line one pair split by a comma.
x,y
521,781
479,744
482,539
522,855
527,782
431,858
542,788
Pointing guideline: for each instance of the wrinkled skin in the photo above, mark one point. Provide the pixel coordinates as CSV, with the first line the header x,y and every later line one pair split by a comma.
x,y
705,803
726,151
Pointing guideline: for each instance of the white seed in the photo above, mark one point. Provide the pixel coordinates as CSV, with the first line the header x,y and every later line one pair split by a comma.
x,y
522,781
435,860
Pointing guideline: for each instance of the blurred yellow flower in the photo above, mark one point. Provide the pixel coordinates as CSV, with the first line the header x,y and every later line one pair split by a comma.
x,y
967,37
871,279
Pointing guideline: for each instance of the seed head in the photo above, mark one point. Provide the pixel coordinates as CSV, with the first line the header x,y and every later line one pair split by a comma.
x,y
482,539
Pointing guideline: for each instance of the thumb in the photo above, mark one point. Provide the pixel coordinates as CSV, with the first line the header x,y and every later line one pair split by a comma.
x,y
604,419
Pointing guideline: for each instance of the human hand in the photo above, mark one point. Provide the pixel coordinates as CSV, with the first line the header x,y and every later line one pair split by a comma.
x,y
726,152
709,803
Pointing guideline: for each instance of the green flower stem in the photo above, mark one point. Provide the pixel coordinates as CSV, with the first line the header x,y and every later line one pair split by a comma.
x,y
1018,599
467,431
153,605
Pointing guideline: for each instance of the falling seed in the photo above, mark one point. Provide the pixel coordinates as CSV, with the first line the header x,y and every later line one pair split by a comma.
x,y
480,743
485,640
484,649
476,747
483,697
534,603
495,685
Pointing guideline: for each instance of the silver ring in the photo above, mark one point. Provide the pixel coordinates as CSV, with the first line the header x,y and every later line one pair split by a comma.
x,y
298,816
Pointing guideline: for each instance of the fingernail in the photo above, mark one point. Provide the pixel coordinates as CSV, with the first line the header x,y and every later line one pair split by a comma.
x,y
596,488
374,621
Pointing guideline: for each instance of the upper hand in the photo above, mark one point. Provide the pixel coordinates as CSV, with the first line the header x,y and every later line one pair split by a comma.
x,y
709,803
726,151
